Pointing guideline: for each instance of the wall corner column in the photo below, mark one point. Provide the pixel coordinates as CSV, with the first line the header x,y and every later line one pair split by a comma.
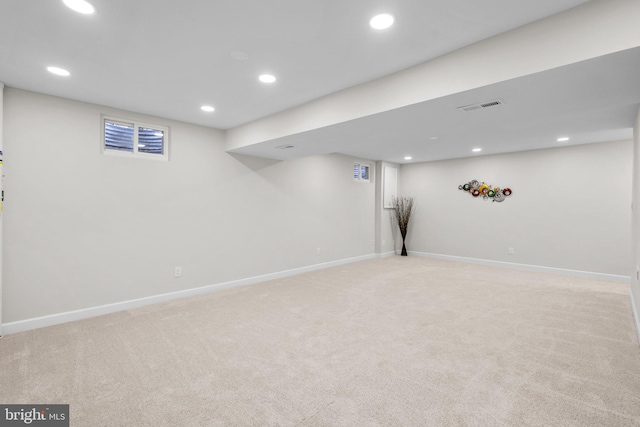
x,y
384,232
635,223
1,189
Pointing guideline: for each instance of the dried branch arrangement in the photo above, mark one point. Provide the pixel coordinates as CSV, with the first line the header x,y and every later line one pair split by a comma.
x,y
402,207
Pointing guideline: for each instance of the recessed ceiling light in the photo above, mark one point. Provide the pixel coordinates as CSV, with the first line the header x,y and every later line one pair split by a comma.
x,y
58,71
563,139
267,78
382,21
477,150
80,6
207,108
434,137
408,157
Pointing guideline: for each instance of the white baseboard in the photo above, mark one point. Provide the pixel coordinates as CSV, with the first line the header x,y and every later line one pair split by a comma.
x,y
54,319
386,254
69,316
636,319
528,267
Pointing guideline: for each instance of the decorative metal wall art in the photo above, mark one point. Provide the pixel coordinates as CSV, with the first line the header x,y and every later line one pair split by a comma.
x,y
487,191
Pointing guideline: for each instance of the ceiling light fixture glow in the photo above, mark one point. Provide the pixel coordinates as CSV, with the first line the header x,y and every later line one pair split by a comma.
x,y
382,21
563,139
267,78
477,150
207,108
80,6
58,71
408,157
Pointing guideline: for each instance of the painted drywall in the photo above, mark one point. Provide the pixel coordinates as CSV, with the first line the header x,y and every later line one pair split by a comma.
x,y
635,234
85,229
590,30
384,218
1,173
570,208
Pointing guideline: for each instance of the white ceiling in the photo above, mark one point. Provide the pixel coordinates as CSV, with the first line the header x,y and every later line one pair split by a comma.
x,y
589,101
167,58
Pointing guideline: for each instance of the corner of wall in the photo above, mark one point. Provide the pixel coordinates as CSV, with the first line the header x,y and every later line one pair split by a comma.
x,y
635,223
1,188
384,232
634,309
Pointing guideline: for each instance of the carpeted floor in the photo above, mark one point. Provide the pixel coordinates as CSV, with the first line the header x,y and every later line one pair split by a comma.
x,y
399,341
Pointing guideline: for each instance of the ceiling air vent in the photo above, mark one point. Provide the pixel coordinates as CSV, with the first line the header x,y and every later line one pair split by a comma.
x,y
481,105
284,147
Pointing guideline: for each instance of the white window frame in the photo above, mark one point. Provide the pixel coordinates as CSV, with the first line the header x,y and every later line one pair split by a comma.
x,y
136,125
360,165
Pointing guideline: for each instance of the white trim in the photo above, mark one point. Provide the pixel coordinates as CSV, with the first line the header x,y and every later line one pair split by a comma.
x,y
69,316
136,124
55,319
529,267
386,254
636,319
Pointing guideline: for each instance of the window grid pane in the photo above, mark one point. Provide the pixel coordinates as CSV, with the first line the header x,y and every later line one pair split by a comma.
x,y
150,140
118,136
364,170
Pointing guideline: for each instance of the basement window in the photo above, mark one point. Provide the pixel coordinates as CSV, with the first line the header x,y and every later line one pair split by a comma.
x,y
361,172
131,138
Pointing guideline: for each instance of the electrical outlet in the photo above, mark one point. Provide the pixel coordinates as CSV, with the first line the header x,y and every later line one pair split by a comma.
x,y
511,251
178,272
384,242
318,251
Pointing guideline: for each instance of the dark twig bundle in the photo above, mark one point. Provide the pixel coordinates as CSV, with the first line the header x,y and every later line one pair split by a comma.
x,y
402,207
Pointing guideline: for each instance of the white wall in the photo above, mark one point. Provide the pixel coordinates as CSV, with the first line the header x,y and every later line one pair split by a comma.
x,y
1,172
84,229
635,235
570,208
384,217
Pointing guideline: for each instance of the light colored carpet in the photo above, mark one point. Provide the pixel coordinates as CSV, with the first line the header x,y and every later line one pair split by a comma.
x,y
399,341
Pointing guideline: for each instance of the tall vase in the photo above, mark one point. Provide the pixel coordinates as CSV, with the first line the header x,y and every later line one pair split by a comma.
x,y
404,249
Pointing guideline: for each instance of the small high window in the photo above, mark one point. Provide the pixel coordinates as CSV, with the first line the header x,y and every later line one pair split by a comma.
x,y
132,138
361,172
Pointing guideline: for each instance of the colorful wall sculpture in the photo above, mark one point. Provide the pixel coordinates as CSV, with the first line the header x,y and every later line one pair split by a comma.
x,y
487,191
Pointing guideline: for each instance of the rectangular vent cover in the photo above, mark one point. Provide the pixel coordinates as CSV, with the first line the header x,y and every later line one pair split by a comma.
x,y
481,105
